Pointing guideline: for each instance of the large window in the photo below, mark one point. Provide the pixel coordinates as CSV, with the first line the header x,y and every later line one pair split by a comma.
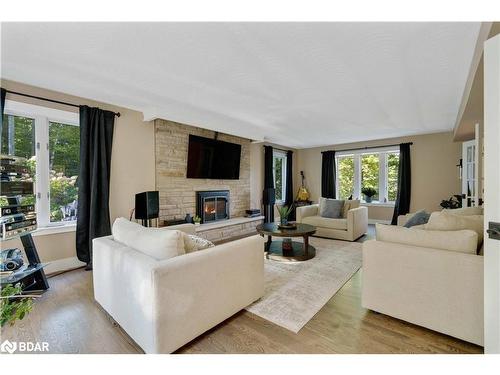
x,y
279,173
50,140
375,168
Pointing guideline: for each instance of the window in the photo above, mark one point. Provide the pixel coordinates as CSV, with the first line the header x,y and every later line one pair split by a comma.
x,y
346,177
279,173
50,140
375,168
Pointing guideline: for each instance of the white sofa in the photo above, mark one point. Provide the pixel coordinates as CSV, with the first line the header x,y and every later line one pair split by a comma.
x,y
349,228
163,305
430,278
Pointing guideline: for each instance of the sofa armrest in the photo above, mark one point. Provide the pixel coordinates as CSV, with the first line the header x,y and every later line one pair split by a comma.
x,y
186,228
305,211
196,291
357,222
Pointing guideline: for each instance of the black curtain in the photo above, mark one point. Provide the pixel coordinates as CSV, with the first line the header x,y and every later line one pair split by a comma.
x,y
402,206
96,139
3,92
289,182
328,177
268,183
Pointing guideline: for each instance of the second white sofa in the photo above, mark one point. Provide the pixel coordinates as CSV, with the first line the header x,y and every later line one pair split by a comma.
x,y
164,304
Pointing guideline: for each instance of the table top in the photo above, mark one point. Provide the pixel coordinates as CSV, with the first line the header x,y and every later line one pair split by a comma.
x,y
272,229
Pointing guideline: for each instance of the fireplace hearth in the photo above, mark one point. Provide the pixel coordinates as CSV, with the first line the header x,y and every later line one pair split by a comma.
x,y
212,205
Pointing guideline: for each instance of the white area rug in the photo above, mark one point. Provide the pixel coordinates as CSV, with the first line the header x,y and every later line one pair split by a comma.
x,y
295,292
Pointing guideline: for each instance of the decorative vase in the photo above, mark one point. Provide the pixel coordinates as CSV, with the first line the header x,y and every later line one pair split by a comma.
x,y
283,220
188,218
368,199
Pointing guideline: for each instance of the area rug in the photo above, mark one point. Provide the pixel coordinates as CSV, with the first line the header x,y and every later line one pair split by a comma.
x,y
295,292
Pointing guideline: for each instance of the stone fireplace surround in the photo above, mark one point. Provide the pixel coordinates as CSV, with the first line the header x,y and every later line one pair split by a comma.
x,y
178,193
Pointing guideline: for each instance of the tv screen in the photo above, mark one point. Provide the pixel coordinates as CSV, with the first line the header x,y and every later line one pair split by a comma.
x,y
210,158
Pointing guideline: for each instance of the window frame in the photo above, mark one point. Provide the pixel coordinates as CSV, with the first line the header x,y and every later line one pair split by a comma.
x,y
383,172
42,117
278,154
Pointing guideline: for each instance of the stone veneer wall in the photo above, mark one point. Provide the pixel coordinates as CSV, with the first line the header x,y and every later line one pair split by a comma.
x,y
178,193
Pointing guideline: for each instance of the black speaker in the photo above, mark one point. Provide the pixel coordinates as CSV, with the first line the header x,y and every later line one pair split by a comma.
x,y
269,196
147,205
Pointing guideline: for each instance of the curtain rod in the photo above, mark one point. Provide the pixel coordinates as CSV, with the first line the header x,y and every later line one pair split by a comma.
x,y
117,114
369,147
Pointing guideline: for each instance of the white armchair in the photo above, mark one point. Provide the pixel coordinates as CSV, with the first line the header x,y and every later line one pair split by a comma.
x,y
350,228
165,304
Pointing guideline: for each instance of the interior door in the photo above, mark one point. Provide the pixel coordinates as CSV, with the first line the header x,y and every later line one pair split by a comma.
x,y
491,193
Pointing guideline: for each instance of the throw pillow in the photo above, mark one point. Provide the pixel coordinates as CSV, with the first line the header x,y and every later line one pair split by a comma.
x,y
420,217
446,221
331,208
194,243
349,205
157,243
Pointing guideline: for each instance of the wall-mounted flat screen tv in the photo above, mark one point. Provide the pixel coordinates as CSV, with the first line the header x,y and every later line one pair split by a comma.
x,y
210,158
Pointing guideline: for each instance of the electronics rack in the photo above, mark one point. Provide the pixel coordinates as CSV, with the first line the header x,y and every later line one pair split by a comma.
x,y
18,218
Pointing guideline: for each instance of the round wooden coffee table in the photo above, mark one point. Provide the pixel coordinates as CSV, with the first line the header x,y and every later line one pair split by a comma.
x,y
299,251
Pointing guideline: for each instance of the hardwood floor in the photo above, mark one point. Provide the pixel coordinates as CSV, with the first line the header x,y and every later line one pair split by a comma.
x,y
68,318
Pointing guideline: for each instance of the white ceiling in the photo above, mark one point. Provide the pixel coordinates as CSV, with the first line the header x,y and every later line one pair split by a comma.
x,y
295,84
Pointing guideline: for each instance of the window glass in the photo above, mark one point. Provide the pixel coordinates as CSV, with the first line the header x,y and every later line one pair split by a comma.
x,y
18,139
345,176
279,171
392,176
64,161
369,173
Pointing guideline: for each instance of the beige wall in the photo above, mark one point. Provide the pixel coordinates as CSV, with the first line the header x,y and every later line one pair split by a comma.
x,y
132,163
434,174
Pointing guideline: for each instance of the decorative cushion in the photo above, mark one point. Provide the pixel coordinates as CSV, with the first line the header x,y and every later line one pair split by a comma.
x,y
349,205
465,211
447,221
420,217
331,208
326,222
463,241
155,242
195,243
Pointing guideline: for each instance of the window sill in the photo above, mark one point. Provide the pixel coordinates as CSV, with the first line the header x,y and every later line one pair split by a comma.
x,y
56,229
377,204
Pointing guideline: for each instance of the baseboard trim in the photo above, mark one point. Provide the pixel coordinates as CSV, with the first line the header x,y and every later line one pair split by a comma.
x,y
375,221
64,264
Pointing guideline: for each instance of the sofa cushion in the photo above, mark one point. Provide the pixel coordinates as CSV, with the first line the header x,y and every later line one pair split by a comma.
x,y
463,241
447,221
195,243
331,208
419,218
157,243
465,211
325,222
349,205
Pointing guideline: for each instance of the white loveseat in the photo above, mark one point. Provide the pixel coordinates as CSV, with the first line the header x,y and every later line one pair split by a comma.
x,y
164,304
430,278
350,227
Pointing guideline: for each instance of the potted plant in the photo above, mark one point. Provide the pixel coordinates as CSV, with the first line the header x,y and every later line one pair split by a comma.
x,y
14,305
284,212
368,192
197,220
